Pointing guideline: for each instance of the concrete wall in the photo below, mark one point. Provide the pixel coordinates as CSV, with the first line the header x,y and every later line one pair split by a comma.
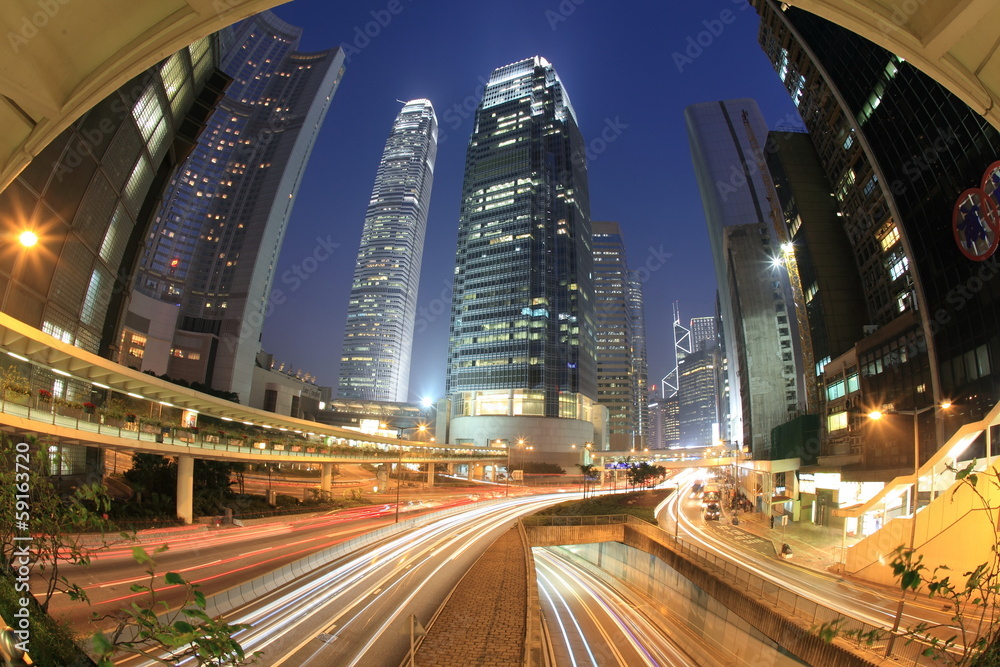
x,y
674,596
955,530
709,591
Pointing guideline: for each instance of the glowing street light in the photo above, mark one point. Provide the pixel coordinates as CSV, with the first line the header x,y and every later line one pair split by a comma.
x,y
876,415
28,238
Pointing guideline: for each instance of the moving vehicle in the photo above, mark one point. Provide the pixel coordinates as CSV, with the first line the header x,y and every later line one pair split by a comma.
x,y
713,512
711,494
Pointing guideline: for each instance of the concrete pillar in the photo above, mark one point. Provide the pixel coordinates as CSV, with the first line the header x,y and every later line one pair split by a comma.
x,y
325,477
451,468
472,470
430,474
185,488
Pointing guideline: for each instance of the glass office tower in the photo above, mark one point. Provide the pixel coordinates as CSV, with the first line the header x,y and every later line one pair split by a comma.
x,y
203,286
522,341
758,314
899,149
616,386
378,338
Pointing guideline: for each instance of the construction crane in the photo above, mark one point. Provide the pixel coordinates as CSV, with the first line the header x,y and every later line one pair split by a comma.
x,y
788,259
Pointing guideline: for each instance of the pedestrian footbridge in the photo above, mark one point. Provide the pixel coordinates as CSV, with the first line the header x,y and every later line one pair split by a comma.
x,y
256,436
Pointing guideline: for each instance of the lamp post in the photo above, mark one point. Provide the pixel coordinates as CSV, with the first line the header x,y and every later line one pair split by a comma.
x,y
421,428
876,415
520,444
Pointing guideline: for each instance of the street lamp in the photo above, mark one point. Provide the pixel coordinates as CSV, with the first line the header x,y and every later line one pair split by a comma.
x,y
399,464
876,415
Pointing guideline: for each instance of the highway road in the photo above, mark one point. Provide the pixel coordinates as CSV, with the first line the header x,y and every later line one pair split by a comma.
x,y
355,611
873,604
592,624
218,559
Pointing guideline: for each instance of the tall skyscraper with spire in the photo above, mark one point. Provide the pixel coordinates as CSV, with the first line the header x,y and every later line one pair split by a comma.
x,y
378,338
522,340
203,283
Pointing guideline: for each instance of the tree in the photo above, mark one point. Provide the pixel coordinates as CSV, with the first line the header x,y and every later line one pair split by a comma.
x,y
152,477
588,470
31,503
187,633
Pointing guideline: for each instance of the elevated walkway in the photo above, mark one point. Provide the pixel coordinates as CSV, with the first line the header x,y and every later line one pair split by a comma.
x,y
953,525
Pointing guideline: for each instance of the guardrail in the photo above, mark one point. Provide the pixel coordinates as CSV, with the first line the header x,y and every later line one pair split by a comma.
x,y
796,607
76,419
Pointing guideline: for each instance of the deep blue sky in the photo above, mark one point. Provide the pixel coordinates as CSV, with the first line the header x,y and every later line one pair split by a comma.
x,y
618,63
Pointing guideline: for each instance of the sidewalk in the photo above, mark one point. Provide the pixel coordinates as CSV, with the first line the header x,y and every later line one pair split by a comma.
x,y
815,547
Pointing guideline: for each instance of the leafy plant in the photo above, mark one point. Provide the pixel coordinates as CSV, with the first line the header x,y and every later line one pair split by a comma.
x,y
971,635
187,633
55,522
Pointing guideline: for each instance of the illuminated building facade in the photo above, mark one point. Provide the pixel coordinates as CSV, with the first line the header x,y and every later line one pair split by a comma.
x,y
522,340
88,196
899,150
618,315
378,338
640,363
755,300
203,288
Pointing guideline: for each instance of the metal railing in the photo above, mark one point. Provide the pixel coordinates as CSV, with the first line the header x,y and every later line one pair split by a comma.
x,y
80,420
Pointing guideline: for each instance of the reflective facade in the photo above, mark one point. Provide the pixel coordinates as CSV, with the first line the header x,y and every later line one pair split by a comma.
x,y
85,196
761,329
899,150
522,311
378,338
203,289
522,338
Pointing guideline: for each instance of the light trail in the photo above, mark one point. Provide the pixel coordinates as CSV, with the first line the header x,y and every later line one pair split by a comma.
x,y
647,638
352,604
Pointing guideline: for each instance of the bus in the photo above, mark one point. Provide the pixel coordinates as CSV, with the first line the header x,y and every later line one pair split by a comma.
x,y
711,494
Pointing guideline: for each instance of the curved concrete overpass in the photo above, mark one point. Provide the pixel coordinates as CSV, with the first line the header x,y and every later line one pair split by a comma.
x,y
59,58
27,344
955,42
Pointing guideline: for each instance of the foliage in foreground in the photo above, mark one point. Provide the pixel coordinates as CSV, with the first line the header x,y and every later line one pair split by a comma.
x,y
971,636
187,633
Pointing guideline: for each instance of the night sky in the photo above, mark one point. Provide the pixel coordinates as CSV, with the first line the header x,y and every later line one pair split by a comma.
x,y
630,69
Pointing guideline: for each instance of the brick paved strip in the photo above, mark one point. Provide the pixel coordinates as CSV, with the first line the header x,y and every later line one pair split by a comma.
x,y
482,622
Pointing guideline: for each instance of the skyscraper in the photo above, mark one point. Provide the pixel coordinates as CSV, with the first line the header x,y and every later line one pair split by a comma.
x,y
378,338
901,152
616,383
522,341
640,361
682,346
725,147
697,400
703,334
89,195
203,286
